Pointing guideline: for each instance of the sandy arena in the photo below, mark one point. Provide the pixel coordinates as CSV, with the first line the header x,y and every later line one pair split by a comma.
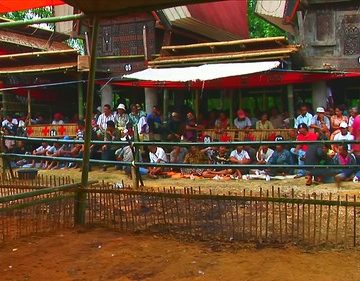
x,y
102,254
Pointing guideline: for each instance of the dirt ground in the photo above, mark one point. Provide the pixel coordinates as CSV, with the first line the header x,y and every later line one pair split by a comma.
x,y
222,186
100,254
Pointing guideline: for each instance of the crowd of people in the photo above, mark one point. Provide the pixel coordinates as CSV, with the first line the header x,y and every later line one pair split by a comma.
x,y
325,124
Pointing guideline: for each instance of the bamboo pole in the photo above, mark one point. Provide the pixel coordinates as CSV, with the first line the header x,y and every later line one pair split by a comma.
x,y
81,196
42,20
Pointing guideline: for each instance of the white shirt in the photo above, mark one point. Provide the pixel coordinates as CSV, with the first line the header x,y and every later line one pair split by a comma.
x,y
158,155
41,148
58,122
103,119
240,156
14,121
303,119
261,156
241,124
340,137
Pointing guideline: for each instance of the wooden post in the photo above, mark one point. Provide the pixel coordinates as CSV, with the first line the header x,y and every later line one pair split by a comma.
x,y
197,102
81,195
166,104
29,107
80,98
231,110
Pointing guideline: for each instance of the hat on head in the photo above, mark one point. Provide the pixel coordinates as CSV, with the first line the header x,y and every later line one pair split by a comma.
x,y
241,114
67,138
279,138
121,106
320,109
343,125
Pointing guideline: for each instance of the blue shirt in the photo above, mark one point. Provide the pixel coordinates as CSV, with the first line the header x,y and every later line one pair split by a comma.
x,y
303,119
281,158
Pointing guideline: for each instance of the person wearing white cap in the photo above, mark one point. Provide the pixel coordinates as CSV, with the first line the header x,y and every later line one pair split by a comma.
x,y
121,118
343,135
320,122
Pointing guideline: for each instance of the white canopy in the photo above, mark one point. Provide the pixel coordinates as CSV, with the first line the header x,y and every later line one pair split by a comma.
x,y
203,72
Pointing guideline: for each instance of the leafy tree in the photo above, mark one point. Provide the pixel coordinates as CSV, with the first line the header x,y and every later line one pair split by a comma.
x,y
259,27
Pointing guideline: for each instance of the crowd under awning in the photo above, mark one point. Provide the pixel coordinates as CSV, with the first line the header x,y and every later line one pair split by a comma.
x,y
227,76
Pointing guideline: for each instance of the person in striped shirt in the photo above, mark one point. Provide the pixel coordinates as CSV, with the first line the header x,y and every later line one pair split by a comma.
x,y
104,118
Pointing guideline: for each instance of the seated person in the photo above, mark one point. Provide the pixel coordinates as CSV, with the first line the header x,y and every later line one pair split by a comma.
x,y
194,156
41,151
220,157
108,150
280,156
241,121
222,123
177,155
264,123
174,127
239,156
318,154
321,123
192,128
54,152
343,135
156,155
344,158
263,154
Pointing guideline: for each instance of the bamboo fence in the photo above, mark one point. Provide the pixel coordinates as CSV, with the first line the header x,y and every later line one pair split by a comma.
x,y
42,205
264,217
267,217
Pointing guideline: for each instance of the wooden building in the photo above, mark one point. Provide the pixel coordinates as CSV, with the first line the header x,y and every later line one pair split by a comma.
x,y
329,33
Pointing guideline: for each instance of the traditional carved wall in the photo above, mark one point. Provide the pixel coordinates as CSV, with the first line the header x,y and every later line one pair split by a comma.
x,y
332,36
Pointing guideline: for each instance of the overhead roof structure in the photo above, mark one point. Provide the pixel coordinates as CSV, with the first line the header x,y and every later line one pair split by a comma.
x,y
219,21
98,7
38,61
258,49
202,73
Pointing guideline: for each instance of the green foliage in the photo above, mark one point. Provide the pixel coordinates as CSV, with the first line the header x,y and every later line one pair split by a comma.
x,y
44,12
259,27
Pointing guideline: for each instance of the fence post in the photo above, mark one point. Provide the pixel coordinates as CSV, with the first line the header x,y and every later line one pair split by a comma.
x,y
80,202
135,173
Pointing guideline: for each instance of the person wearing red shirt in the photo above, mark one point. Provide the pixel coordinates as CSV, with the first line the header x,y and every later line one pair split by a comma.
x,y
300,150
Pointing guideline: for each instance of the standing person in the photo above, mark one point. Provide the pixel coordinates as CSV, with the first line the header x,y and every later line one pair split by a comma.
x,y
108,150
104,118
154,122
304,118
337,118
121,118
156,155
356,133
300,150
264,123
242,121
321,123
352,115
